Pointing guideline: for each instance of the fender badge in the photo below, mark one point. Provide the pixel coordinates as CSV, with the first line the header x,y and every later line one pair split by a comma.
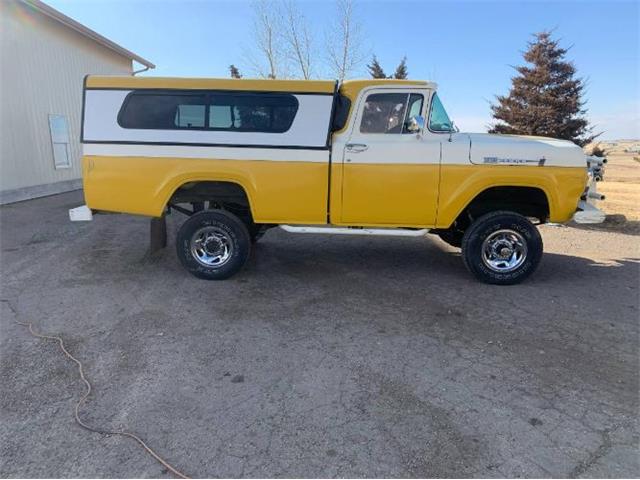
x,y
513,161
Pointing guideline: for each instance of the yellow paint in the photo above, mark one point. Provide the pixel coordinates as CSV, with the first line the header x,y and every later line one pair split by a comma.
x,y
279,192
459,184
433,196
351,88
296,192
389,194
308,86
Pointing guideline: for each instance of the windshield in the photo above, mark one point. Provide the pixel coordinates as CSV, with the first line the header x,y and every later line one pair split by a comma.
x,y
438,118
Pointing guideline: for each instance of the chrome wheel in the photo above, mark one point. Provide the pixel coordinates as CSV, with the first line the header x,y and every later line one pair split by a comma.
x,y
504,251
211,246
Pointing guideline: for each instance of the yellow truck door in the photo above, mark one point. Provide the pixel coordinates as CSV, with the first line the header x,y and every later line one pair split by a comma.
x,y
389,175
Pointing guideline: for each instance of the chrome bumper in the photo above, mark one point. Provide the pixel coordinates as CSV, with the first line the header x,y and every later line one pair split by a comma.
x,y
587,212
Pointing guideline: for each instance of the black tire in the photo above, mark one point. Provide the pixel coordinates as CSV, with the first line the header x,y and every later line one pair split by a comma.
x,y
452,237
221,248
517,231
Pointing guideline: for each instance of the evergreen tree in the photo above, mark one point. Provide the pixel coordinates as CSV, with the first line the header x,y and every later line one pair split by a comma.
x,y
375,70
235,73
401,70
545,96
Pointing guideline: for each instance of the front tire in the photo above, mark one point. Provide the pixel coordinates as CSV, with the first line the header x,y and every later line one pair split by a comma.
x,y
502,248
213,244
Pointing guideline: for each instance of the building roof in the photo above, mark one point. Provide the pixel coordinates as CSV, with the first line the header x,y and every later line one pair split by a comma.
x,y
87,32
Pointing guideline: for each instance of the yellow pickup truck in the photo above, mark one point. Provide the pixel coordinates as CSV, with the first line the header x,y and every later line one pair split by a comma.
x,y
376,157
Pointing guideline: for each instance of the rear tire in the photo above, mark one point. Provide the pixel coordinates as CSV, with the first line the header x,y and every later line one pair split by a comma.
x,y
502,248
213,244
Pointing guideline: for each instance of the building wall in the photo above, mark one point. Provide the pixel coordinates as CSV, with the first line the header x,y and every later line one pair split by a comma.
x,y
42,66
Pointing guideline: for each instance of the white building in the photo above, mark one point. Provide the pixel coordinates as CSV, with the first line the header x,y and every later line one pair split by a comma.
x,y
44,56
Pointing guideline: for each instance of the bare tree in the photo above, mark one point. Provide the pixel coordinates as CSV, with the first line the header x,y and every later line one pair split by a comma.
x,y
297,38
344,41
283,41
268,56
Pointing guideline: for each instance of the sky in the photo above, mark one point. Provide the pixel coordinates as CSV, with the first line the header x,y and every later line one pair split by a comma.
x,y
468,47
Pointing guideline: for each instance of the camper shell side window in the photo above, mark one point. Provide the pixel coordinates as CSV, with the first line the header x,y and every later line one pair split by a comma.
x,y
265,112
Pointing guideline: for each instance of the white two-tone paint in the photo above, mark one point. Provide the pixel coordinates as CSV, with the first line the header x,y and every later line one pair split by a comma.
x,y
309,128
308,133
204,152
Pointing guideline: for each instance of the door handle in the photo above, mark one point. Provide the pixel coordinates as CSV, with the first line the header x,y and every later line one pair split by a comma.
x,y
356,147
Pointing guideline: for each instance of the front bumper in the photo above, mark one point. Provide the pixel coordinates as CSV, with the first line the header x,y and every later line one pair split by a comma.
x,y
587,212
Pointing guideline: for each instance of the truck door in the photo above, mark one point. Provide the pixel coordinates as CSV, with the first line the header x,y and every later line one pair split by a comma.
x,y
390,175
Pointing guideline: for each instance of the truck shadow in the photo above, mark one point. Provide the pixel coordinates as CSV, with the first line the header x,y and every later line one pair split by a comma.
x,y
421,260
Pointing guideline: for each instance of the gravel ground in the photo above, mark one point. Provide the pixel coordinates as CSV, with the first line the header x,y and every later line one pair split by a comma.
x,y
325,357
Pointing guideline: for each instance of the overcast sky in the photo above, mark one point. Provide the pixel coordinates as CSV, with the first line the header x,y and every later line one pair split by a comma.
x,y
466,47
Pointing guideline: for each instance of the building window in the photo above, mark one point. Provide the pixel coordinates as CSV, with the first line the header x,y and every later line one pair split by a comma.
x,y
241,112
60,141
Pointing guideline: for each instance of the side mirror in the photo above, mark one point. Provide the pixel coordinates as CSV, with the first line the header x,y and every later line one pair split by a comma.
x,y
415,124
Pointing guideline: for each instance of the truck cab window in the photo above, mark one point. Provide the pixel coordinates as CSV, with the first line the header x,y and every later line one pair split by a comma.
x,y
438,119
384,113
415,108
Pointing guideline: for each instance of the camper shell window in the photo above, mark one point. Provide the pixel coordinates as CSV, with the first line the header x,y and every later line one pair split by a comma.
x,y
163,112
272,113
218,111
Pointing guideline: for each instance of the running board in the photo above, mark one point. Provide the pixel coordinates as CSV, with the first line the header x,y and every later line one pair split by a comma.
x,y
393,232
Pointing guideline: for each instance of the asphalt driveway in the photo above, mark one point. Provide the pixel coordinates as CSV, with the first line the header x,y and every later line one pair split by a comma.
x,y
325,357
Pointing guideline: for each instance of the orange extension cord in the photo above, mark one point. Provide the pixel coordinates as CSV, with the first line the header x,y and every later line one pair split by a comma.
x,y
82,399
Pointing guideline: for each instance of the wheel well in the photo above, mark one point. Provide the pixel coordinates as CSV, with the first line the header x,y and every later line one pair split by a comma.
x,y
214,194
527,201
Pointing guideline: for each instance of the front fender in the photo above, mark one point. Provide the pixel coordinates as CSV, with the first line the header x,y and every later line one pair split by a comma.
x,y
460,184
